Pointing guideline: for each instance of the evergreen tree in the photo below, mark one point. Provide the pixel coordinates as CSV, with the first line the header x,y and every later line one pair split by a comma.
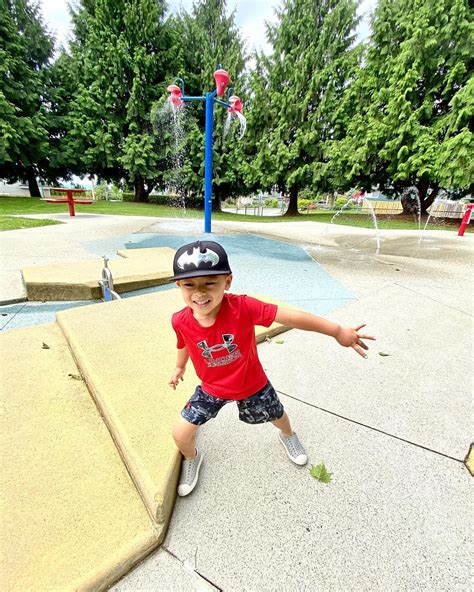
x,y
208,38
415,101
124,54
255,152
300,109
25,49
59,91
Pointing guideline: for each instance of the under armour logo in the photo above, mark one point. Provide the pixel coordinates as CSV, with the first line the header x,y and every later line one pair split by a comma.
x,y
227,344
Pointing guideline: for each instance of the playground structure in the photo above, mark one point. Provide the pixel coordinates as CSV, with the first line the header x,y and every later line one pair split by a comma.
x,y
233,105
69,199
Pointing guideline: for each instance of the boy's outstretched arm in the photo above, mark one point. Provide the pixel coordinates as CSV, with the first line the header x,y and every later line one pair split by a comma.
x,y
346,336
181,361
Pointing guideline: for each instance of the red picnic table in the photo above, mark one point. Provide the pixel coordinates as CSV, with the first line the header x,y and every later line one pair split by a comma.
x,y
69,199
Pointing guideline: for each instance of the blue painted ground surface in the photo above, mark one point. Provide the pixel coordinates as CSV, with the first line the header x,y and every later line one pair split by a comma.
x,y
25,314
281,270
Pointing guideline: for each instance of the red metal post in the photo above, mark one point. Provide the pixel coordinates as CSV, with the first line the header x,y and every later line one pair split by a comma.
x,y
70,202
466,219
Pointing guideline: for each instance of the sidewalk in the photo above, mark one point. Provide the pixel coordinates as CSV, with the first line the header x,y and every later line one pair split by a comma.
x,y
21,248
393,429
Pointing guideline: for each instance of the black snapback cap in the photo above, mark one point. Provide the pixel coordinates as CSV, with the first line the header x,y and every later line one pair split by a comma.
x,y
198,259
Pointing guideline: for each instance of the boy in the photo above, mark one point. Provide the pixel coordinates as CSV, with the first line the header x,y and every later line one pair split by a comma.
x,y
217,331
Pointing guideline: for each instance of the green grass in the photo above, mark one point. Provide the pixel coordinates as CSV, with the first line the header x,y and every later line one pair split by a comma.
x,y
387,222
30,205
365,221
11,223
33,205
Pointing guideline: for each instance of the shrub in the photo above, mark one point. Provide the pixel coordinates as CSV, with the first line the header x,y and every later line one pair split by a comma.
x,y
306,194
340,202
160,199
304,204
195,202
271,203
127,196
101,192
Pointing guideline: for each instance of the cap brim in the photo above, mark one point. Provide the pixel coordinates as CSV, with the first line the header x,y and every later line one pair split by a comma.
x,y
199,273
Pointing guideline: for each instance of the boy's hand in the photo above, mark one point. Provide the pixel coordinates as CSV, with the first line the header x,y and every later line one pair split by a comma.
x,y
349,337
176,377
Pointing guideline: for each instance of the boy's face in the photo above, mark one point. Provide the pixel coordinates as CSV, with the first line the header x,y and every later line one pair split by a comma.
x,y
204,294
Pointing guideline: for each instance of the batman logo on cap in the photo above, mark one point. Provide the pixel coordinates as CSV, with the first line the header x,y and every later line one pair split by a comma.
x,y
197,258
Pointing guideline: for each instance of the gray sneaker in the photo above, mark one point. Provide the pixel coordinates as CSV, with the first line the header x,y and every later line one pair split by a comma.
x,y
294,449
189,474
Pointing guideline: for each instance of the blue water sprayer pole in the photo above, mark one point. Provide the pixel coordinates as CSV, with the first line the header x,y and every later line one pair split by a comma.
x,y
208,160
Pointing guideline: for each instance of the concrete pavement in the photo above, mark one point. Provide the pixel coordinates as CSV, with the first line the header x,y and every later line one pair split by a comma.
x,y
71,517
19,249
89,467
79,280
393,430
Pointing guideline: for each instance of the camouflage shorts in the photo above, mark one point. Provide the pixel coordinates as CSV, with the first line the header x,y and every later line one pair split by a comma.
x,y
259,408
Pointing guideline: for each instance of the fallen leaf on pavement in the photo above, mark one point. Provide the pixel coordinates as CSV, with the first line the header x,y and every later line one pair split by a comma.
x,y
320,473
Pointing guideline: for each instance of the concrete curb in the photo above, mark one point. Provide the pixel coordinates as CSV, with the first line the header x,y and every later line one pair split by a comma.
x,y
13,301
79,280
84,534
74,520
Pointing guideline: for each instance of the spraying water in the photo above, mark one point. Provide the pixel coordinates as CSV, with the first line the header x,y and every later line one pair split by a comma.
x,y
242,122
440,199
374,218
352,201
339,212
227,121
169,124
413,193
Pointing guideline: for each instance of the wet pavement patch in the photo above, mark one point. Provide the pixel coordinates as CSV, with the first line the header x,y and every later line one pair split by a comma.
x,y
26,314
284,271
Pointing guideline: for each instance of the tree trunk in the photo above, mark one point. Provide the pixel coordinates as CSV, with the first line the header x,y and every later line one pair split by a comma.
x,y
425,199
32,182
150,185
140,192
216,202
293,205
409,201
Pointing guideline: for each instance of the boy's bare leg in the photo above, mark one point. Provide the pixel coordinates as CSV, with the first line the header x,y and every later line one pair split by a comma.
x,y
184,434
284,425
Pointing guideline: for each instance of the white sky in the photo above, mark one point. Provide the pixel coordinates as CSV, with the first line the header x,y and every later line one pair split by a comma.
x,y
250,17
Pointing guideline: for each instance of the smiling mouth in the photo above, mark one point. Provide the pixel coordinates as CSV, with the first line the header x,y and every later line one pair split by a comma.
x,y
201,303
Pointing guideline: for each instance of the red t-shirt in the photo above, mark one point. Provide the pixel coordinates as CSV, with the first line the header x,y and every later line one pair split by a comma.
x,y
225,355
